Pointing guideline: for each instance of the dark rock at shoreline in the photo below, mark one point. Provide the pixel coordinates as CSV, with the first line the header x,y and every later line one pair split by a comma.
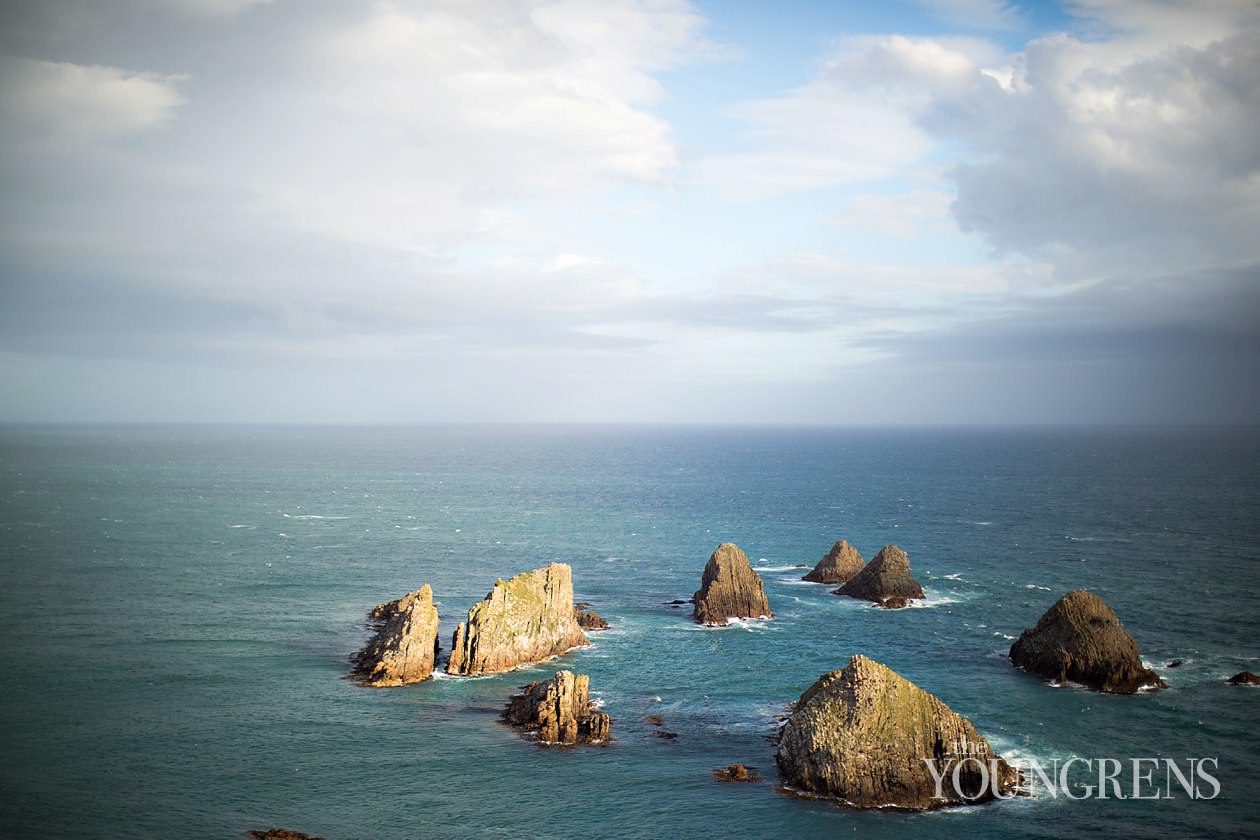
x,y
887,576
736,773
405,646
281,834
1080,639
559,711
527,618
894,603
1244,678
1176,663
839,565
588,619
861,736
729,588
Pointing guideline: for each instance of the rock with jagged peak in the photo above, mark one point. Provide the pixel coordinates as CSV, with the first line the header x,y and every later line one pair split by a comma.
x,y
869,738
588,619
559,711
524,619
838,565
729,588
885,579
405,646
1080,639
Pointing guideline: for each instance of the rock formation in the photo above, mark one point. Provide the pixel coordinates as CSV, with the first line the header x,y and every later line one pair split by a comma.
x,y
281,833
729,588
559,711
861,736
840,564
884,578
589,619
737,773
1244,678
525,619
1081,639
405,646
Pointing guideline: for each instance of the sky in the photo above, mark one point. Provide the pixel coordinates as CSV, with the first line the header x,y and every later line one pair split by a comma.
x,y
630,211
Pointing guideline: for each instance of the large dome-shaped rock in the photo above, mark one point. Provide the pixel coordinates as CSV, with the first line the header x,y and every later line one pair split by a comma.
x,y
559,711
729,588
840,564
869,738
405,646
1081,639
524,619
885,577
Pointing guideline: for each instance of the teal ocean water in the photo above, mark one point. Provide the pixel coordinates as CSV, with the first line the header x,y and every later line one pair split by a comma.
x,y
178,606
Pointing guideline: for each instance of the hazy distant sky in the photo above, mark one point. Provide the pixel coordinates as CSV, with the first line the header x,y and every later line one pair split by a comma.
x,y
607,210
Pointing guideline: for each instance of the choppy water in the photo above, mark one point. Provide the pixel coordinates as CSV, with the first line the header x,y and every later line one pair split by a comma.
x,y
178,605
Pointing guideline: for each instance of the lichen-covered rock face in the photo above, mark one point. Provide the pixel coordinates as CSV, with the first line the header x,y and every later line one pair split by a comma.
x,y
839,565
729,588
405,646
1081,639
559,711
869,738
528,618
885,577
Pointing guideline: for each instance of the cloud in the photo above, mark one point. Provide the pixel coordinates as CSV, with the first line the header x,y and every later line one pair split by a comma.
x,y
997,15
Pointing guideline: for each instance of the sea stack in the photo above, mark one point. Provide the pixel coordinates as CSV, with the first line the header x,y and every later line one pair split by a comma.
x,y
1081,639
729,588
838,566
559,711
886,580
524,619
865,736
405,646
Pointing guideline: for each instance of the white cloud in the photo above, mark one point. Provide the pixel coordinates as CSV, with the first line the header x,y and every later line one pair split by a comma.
x,y
982,14
50,100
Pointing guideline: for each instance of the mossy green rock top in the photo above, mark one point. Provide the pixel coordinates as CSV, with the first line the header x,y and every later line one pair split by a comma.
x,y
866,737
527,618
1081,639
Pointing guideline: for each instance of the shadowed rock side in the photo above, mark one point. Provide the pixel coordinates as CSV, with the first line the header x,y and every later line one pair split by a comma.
x,y
886,580
525,619
1244,678
282,833
1081,639
405,646
840,564
559,711
861,735
589,620
729,588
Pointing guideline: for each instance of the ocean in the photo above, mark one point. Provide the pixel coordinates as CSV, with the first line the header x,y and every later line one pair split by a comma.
x,y
179,603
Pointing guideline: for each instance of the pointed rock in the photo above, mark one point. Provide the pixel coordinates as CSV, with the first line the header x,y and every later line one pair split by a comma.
x,y
729,588
559,711
838,566
528,618
865,736
884,578
1081,639
405,646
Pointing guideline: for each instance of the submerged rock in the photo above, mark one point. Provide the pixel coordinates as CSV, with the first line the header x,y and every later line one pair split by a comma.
x,y
559,711
729,588
524,619
866,736
1244,678
1081,639
840,564
589,619
886,577
281,834
737,773
405,646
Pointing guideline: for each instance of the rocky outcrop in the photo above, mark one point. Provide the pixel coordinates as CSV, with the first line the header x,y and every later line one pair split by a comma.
x,y
885,577
729,588
866,736
405,646
559,711
528,618
589,620
1081,639
737,773
1244,678
281,834
840,564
